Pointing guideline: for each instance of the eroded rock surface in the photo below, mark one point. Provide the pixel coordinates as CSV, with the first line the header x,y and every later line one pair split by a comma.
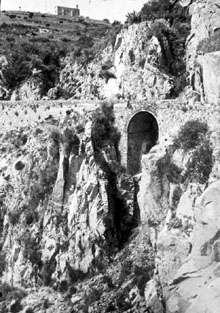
x,y
129,69
202,49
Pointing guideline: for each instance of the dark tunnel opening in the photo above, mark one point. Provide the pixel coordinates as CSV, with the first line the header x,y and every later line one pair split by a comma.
x,y
142,136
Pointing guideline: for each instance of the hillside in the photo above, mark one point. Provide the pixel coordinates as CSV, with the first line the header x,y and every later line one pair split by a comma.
x,y
34,46
63,58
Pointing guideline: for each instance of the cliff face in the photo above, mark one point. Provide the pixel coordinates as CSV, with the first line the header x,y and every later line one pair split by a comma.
x,y
64,213
78,233
129,69
132,68
182,217
203,49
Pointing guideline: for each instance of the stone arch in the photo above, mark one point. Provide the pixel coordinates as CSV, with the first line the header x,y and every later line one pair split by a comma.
x,y
142,132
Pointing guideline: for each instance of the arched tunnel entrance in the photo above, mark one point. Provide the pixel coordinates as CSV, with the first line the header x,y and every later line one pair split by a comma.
x,y
142,136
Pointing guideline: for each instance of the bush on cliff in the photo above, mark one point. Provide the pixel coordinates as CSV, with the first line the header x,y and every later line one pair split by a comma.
x,y
44,57
191,134
200,163
68,137
169,10
14,216
133,18
103,130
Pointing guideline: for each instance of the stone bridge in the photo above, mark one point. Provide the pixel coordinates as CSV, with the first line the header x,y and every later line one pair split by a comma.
x,y
141,124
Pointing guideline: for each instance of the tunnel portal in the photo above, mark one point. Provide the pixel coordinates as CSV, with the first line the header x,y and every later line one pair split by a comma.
x,y
142,136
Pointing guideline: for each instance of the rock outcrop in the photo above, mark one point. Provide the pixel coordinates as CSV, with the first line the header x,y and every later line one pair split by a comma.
x,y
195,286
202,49
129,69
64,216
183,227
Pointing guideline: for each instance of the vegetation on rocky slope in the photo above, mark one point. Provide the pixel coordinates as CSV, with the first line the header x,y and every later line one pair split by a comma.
x,y
193,137
170,23
36,50
37,46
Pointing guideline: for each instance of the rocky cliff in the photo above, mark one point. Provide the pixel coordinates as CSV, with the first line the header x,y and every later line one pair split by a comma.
x,y
79,234
153,59
144,60
203,50
129,69
67,208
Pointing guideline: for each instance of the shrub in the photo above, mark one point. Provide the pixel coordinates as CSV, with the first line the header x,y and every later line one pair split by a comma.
x,y
155,9
29,310
131,56
19,165
106,75
5,288
17,69
106,20
65,39
47,178
116,23
31,217
103,129
75,275
200,163
191,134
55,134
166,9
25,55
31,248
85,41
92,296
80,128
10,292
14,216
67,137
77,52
133,17
142,63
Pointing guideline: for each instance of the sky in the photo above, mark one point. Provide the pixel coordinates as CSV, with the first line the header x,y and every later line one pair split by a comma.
x,y
97,9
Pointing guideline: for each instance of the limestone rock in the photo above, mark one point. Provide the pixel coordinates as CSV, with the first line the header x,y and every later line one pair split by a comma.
x,y
151,298
133,71
30,89
154,187
207,215
210,63
173,249
203,68
185,3
196,283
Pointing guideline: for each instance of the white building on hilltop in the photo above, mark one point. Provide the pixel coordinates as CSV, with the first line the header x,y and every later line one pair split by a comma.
x,y
68,12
